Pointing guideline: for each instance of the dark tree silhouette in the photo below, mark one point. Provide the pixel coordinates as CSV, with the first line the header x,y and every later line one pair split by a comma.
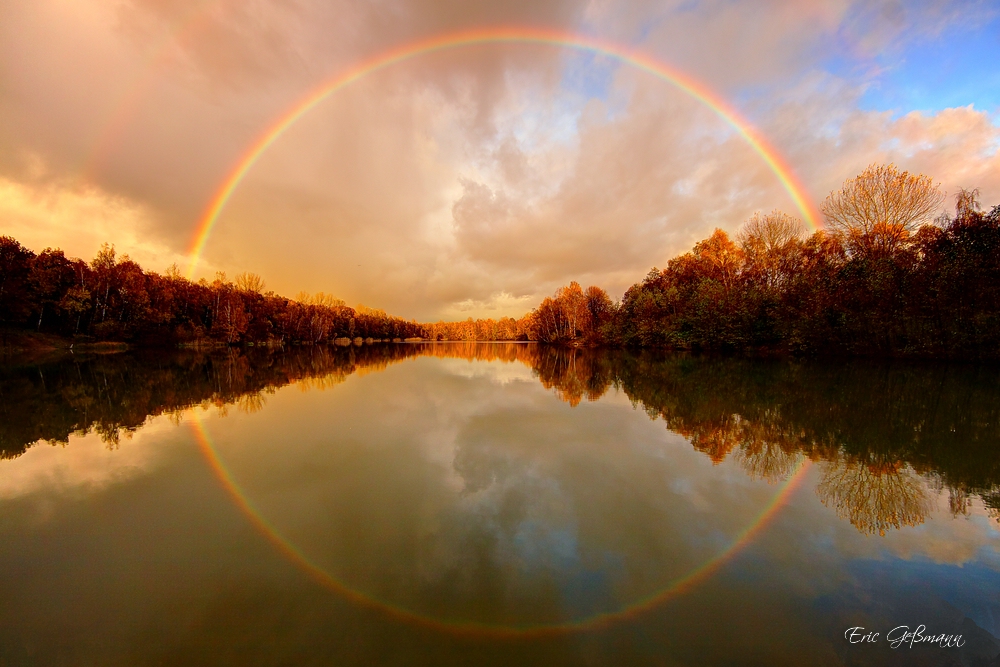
x,y
113,299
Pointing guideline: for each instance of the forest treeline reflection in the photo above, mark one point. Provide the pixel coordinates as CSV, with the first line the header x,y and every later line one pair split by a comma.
x,y
887,437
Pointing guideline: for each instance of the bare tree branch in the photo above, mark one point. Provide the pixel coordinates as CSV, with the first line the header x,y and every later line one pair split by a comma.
x,y
879,209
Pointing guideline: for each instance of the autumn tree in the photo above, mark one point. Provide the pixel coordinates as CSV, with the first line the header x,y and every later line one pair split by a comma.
x,y
15,262
567,317
133,298
105,279
768,242
50,275
710,304
957,291
769,232
879,209
600,310
716,258
573,304
249,283
230,320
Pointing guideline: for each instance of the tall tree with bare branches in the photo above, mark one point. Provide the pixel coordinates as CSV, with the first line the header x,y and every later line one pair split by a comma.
x,y
880,208
766,232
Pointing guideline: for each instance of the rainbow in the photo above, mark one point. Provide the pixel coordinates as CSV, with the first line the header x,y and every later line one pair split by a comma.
x,y
676,588
517,35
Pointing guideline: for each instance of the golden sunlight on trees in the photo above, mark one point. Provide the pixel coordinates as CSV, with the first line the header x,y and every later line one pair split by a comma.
x,y
770,243
768,232
113,298
876,286
874,496
718,257
879,209
573,316
250,282
503,329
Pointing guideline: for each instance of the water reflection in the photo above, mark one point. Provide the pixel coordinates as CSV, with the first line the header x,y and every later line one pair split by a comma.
x,y
874,497
465,496
479,505
882,432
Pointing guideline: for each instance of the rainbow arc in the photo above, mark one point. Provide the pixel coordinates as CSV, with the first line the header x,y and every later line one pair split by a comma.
x,y
518,35
515,35
678,587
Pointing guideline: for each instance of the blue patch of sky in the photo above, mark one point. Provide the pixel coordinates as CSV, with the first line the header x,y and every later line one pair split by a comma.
x,y
961,66
588,74
585,76
956,68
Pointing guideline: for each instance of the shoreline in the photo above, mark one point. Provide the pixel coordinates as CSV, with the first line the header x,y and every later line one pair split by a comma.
x,y
35,347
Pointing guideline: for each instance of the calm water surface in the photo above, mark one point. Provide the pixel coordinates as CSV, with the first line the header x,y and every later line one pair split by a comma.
x,y
495,504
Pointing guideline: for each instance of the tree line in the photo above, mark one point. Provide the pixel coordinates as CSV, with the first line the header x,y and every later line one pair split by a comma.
x,y
883,278
113,298
573,315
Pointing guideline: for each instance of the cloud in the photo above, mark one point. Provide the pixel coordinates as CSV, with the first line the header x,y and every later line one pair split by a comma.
x,y
234,44
85,465
471,181
79,220
958,147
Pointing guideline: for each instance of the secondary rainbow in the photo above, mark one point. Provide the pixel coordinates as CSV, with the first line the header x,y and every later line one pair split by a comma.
x,y
130,99
676,588
519,35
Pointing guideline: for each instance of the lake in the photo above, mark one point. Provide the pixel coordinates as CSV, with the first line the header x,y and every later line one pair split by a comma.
x,y
496,504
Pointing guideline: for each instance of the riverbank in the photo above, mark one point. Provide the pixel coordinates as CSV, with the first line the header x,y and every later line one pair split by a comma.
x,y
33,346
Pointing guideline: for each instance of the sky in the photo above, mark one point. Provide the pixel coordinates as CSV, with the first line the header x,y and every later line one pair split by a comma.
x,y
471,181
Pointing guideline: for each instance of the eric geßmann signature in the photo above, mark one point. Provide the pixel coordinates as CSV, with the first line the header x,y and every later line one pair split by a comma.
x,y
902,636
